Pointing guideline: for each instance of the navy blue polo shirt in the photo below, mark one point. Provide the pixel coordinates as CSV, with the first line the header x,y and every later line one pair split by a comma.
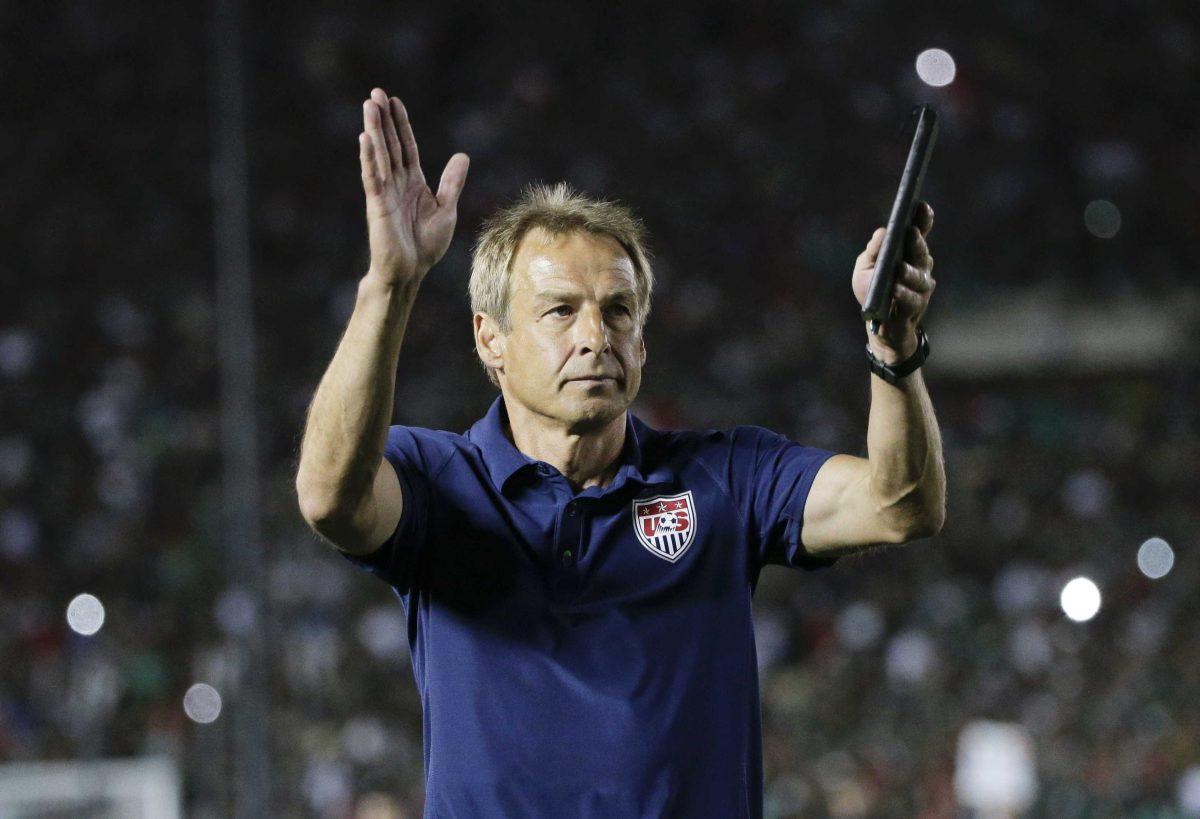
x,y
591,654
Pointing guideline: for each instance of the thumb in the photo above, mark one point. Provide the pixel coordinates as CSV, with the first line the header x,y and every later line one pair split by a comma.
x,y
871,252
453,177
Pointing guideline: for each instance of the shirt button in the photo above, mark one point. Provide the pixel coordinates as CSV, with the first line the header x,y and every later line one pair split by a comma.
x,y
545,470
566,558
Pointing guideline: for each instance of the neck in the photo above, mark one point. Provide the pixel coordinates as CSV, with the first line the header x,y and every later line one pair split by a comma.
x,y
585,459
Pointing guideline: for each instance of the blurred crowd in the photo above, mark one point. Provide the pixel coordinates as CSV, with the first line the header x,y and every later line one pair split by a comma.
x,y
761,146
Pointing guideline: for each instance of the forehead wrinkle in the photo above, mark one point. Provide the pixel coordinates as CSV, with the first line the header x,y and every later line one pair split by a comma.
x,y
547,271
560,293
552,277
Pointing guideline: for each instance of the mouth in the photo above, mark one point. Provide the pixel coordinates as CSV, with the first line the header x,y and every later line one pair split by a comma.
x,y
592,379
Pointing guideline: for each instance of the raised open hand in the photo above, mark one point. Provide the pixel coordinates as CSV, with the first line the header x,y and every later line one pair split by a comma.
x,y
408,226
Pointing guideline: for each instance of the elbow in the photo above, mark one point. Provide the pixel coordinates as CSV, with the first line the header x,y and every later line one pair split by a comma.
x,y
325,518
928,524
314,510
908,522
927,528
330,510
316,507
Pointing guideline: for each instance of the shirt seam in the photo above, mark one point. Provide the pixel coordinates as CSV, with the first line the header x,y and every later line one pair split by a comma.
x,y
725,491
437,473
809,477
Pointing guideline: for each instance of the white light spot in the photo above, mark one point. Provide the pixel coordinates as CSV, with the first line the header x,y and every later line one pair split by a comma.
x,y
1080,599
935,67
1155,558
202,703
85,615
1102,219
1188,791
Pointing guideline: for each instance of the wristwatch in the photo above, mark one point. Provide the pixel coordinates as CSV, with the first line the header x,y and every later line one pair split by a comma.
x,y
897,371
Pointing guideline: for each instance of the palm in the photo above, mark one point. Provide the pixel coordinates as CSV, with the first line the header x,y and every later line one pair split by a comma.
x,y
409,226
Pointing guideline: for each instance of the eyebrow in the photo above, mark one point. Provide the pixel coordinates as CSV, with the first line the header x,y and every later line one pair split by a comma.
x,y
569,295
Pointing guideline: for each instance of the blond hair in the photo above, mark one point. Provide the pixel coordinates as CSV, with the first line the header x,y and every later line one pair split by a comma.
x,y
556,209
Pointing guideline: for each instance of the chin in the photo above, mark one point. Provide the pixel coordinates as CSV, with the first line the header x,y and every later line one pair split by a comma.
x,y
595,413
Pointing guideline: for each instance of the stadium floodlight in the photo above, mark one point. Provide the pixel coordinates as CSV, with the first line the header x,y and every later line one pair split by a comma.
x,y
202,703
1155,558
85,614
1080,599
936,67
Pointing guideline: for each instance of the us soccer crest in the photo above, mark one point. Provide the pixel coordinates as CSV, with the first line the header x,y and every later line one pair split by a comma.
x,y
666,525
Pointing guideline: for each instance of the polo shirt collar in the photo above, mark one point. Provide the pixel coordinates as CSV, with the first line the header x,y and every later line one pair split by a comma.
x,y
504,460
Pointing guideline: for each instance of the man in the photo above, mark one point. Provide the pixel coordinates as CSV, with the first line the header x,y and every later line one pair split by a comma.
x,y
578,585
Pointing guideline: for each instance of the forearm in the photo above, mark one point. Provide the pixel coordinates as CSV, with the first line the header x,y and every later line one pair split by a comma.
x,y
351,411
904,446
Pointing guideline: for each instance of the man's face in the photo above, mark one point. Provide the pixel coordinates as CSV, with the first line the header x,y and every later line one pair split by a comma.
x,y
574,352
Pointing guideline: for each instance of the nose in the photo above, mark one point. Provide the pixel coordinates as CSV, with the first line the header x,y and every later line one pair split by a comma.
x,y
595,332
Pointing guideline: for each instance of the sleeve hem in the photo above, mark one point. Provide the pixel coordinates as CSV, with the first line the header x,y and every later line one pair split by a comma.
x,y
381,561
794,512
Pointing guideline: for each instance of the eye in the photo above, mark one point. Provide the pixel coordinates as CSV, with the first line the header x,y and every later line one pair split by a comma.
x,y
560,310
621,309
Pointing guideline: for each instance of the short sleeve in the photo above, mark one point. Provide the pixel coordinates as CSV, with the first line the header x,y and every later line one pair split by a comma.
x,y
777,475
412,458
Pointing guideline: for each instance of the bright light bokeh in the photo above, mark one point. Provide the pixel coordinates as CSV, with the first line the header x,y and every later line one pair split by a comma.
x,y
1155,558
85,615
935,67
1080,599
202,703
1188,791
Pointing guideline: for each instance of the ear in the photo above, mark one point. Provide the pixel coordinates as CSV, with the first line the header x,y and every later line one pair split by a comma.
x,y
642,342
489,341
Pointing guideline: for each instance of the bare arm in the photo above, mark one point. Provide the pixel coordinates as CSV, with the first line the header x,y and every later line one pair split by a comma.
x,y
346,491
908,477
897,493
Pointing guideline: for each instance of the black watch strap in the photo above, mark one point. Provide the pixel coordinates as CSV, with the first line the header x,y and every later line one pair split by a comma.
x,y
900,370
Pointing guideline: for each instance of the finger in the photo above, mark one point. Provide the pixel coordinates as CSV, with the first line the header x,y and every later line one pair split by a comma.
x,y
412,158
453,178
916,278
373,125
924,218
366,158
915,249
908,302
871,253
395,154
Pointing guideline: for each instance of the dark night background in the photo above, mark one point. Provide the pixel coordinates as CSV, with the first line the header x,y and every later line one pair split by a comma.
x,y
761,144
